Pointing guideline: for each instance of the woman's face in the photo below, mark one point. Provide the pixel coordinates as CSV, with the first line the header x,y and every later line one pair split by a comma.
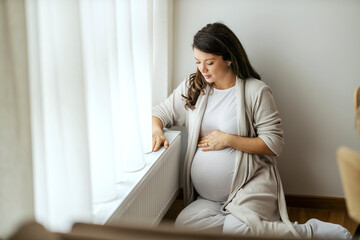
x,y
212,67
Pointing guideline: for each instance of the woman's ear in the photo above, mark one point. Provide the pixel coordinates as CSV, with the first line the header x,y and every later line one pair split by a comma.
x,y
229,63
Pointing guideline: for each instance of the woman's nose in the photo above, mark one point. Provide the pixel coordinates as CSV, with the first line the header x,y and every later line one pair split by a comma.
x,y
203,68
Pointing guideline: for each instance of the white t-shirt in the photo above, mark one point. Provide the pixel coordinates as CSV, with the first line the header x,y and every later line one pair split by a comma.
x,y
212,171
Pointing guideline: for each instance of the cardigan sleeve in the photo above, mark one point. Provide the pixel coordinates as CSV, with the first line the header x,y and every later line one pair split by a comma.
x,y
172,111
267,122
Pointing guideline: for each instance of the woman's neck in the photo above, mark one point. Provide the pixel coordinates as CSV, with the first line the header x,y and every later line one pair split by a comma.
x,y
225,83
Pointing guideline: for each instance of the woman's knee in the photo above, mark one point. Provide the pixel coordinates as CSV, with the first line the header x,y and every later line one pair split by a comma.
x,y
201,215
183,219
234,225
202,220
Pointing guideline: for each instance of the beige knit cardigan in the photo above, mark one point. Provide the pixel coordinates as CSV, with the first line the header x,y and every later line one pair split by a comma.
x,y
257,196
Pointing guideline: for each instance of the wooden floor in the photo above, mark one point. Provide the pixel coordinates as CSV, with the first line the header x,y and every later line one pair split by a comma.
x,y
301,215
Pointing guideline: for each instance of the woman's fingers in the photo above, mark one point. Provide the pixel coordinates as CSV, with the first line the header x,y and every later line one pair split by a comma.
x,y
204,138
157,146
202,144
158,141
166,144
206,147
153,144
212,141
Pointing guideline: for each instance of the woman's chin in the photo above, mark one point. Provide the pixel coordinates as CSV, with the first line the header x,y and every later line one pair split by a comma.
x,y
209,81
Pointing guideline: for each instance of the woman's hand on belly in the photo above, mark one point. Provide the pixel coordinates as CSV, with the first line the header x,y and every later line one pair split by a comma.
x,y
215,140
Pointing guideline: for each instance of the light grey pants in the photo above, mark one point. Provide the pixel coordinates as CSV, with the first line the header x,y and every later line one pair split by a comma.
x,y
204,214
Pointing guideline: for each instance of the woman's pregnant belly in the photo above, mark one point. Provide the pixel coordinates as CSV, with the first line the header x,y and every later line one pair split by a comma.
x,y
212,172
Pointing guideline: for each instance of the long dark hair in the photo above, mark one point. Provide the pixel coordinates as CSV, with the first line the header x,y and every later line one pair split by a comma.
x,y
218,39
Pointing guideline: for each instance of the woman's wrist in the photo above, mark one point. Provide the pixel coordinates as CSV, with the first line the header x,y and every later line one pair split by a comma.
x,y
156,125
228,140
236,142
157,131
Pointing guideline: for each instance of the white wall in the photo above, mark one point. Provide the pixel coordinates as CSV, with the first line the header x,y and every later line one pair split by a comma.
x,y
308,52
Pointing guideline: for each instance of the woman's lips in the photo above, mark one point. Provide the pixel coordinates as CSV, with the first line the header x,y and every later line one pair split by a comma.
x,y
207,76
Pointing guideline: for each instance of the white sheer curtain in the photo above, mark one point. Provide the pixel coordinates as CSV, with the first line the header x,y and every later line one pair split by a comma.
x,y
91,66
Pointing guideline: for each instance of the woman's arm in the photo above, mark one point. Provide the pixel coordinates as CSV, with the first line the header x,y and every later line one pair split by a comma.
x,y
217,140
172,110
250,145
158,137
168,113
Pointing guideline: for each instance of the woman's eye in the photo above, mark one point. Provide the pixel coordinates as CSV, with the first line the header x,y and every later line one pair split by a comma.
x,y
210,63
197,62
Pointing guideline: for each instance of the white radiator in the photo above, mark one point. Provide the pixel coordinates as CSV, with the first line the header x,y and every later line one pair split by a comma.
x,y
154,194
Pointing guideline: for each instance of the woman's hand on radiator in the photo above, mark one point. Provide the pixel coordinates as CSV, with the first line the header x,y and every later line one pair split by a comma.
x,y
159,139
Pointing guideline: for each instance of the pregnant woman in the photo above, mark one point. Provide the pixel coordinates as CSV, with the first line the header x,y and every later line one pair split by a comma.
x,y
231,181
